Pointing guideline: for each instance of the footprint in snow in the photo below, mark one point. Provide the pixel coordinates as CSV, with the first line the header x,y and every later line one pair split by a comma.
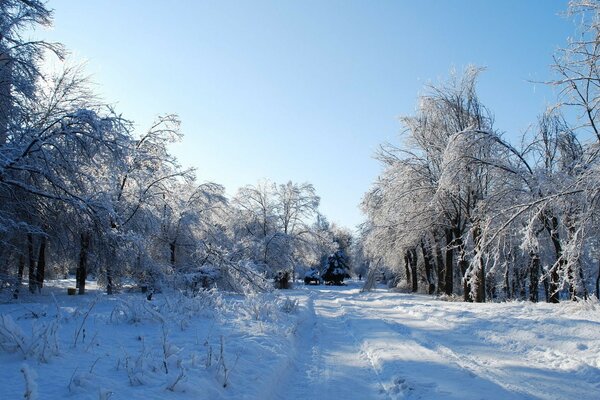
x,y
400,388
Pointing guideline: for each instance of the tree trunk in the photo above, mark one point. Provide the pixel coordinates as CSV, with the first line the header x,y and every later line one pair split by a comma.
x,y
172,248
41,264
439,259
583,282
32,282
463,266
427,263
480,272
554,295
552,228
110,285
407,267
83,261
413,269
598,282
572,283
480,293
449,264
507,291
534,276
20,271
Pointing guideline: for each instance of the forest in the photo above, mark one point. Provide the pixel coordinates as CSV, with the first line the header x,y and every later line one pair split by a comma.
x,y
475,273
83,193
462,209
459,209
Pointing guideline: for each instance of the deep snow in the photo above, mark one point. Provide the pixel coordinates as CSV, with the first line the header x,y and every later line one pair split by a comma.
x,y
314,342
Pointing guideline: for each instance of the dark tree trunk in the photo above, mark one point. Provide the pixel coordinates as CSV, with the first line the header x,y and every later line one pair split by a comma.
x,y
32,282
81,274
427,263
546,289
463,266
598,282
572,284
449,264
41,264
173,248
554,295
534,276
480,272
407,267
507,291
481,282
20,271
439,259
583,282
412,258
552,228
110,284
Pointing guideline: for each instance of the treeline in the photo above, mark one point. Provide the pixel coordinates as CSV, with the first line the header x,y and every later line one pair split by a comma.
x,y
461,210
81,192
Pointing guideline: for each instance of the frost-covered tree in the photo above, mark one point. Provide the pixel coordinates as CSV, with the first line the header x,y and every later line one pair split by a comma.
x,y
274,226
508,216
20,59
337,268
417,204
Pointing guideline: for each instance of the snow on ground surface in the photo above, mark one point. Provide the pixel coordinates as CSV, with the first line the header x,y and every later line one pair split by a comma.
x,y
314,342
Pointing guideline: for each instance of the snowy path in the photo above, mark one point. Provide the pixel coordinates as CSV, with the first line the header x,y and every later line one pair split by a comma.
x,y
336,343
391,346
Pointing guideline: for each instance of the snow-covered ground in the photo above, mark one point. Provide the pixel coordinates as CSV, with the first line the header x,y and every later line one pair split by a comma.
x,y
314,342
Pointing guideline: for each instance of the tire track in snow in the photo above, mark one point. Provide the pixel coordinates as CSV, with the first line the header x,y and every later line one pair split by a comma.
x,y
397,385
365,354
328,361
284,383
474,366
416,343
345,328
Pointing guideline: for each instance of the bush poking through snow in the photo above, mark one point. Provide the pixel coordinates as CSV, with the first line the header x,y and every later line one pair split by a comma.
x,y
179,378
221,364
80,381
42,344
288,305
30,385
81,328
169,351
134,311
12,338
258,308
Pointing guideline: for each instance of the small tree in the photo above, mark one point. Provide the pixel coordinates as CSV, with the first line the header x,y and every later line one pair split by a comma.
x,y
337,268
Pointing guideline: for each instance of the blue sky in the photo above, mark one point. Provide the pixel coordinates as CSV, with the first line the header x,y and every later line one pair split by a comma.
x,y
306,90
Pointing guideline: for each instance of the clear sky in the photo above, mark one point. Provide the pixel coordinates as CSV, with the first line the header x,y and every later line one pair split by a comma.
x,y
306,90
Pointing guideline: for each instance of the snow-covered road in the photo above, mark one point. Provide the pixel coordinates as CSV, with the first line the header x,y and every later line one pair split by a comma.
x,y
334,343
382,345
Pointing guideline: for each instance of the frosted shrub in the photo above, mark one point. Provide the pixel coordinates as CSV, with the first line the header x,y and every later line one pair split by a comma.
x,y
193,282
12,338
260,308
267,307
44,341
202,303
582,306
42,344
134,311
450,298
287,305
